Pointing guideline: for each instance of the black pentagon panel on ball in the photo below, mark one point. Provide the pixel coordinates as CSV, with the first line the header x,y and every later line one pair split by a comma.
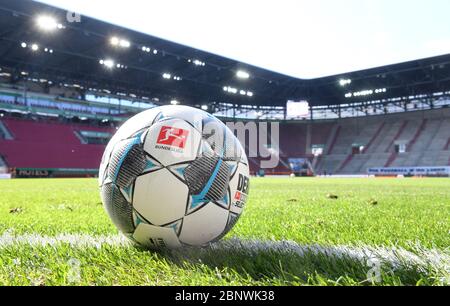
x,y
118,208
199,172
218,188
127,162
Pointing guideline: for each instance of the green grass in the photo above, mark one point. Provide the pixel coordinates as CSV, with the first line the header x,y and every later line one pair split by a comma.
x,y
409,214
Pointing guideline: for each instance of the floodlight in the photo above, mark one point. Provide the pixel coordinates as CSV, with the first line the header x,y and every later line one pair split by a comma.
x,y
47,23
114,41
242,74
108,63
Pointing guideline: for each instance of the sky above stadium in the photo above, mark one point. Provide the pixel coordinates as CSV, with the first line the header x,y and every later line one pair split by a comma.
x,y
300,38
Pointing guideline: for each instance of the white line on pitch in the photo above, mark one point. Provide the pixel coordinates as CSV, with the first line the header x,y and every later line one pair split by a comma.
x,y
396,257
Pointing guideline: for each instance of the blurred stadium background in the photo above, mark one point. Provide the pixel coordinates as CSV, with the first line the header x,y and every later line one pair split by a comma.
x,y
62,99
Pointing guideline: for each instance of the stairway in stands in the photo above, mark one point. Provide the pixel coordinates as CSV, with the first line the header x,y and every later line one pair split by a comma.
x,y
5,133
2,163
412,137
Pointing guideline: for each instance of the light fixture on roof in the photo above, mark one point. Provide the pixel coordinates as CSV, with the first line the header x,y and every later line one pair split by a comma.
x,y
125,43
380,90
155,51
345,82
205,107
174,102
120,66
48,23
120,42
35,47
146,49
242,74
23,45
114,41
167,76
197,62
230,89
108,63
243,92
249,93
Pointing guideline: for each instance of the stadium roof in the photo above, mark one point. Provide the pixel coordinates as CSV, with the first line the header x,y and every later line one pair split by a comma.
x,y
300,38
95,54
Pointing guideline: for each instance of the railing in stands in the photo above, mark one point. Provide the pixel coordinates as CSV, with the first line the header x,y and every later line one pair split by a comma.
x,y
447,146
374,137
397,136
335,137
391,159
2,162
345,163
5,133
417,134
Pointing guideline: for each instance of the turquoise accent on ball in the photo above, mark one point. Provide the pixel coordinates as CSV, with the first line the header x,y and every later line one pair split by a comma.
x,y
135,141
200,198
138,221
128,190
149,165
231,168
181,170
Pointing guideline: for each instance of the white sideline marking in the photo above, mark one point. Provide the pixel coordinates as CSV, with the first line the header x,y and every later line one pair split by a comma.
x,y
396,257
8,239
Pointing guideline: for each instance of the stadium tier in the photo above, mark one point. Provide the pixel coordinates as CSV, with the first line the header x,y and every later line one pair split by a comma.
x,y
63,94
418,139
51,146
346,146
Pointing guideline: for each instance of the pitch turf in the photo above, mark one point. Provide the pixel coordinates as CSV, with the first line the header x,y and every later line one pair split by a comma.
x,y
293,231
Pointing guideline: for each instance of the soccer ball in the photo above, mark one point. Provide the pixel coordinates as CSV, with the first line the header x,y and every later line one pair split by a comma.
x,y
174,176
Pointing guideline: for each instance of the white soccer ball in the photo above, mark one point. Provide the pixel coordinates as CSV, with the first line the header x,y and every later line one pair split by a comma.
x,y
173,176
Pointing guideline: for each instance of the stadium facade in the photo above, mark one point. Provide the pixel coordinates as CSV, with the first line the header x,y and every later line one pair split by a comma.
x,y
65,87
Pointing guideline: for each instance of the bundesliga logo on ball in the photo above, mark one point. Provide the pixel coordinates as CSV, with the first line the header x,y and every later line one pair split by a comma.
x,y
174,176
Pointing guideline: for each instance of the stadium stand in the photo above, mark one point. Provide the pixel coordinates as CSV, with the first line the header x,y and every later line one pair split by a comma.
x,y
423,134
61,117
350,146
50,145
